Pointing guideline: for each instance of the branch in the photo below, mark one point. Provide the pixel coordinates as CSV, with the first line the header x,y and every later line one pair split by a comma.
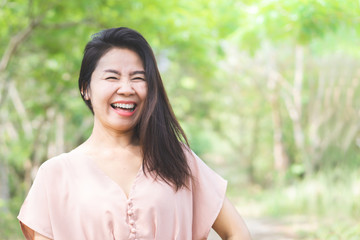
x,y
16,41
20,109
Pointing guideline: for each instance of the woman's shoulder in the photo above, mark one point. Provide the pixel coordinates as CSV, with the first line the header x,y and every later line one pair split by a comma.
x,y
59,161
62,166
190,156
54,161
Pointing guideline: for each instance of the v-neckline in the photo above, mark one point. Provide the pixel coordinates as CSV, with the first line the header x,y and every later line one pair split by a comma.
x,y
102,173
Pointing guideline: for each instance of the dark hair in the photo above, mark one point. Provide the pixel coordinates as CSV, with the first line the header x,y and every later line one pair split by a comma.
x,y
161,137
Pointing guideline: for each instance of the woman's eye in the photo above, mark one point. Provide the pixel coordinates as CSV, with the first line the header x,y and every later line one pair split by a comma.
x,y
139,78
111,78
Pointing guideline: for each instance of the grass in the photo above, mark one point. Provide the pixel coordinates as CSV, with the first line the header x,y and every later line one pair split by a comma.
x,y
342,229
329,201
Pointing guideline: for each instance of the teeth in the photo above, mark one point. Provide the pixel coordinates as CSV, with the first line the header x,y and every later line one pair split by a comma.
x,y
123,105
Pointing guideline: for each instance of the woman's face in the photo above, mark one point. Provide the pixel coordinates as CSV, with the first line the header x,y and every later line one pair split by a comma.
x,y
118,90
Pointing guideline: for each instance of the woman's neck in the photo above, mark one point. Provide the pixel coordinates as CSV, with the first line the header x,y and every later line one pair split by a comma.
x,y
110,140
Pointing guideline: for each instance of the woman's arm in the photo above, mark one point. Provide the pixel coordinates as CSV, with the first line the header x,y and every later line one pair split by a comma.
x,y
38,236
30,234
229,224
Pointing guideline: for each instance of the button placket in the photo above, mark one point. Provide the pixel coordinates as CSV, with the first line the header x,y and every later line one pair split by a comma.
x,y
130,213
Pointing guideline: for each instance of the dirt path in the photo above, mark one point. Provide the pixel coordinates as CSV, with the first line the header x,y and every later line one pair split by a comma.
x,y
274,229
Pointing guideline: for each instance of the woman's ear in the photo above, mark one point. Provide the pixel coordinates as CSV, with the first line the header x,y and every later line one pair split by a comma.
x,y
85,95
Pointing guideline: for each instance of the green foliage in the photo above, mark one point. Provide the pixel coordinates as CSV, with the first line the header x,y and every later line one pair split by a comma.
x,y
10,227
328,201
314,197
300,21
344,229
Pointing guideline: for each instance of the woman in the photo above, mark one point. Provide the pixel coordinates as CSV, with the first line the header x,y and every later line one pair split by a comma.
x,y
135,177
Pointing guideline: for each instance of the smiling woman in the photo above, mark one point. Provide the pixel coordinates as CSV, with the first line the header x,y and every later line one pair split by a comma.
x,y
135,177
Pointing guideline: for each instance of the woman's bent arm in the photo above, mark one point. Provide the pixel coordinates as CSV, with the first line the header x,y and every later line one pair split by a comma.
x,y
38,236
229,224
30,234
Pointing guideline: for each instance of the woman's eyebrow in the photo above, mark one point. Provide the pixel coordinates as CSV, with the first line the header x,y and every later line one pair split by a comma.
x,y
131,74
137,72
112,71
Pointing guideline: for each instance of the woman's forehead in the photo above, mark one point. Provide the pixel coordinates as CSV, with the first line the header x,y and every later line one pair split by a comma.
x,y
118,59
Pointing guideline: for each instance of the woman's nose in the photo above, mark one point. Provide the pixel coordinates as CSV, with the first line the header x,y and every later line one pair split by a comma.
x,y
125,87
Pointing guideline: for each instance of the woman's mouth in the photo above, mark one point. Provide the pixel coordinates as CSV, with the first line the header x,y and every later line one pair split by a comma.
x,y
124,106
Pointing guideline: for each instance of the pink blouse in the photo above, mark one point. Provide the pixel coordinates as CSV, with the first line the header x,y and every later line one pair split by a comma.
x,y
72,199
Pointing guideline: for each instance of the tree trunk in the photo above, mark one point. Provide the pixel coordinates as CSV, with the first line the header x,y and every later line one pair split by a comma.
x,y
281,159
297,109
280,156
4,186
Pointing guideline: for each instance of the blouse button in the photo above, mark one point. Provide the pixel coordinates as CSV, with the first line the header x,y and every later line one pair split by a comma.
x,y
133,230
129,212
131,222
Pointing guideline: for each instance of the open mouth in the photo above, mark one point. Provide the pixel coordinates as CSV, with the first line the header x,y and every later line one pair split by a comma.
x,y
124,106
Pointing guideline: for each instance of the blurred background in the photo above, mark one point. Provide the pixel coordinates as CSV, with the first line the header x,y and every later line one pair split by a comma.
x,y
267,91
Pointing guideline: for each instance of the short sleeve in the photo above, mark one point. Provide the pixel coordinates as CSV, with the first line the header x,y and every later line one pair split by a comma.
x,y
34,213
209,191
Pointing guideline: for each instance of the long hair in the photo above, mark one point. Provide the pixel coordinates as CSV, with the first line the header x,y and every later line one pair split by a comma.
x,y
161,137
